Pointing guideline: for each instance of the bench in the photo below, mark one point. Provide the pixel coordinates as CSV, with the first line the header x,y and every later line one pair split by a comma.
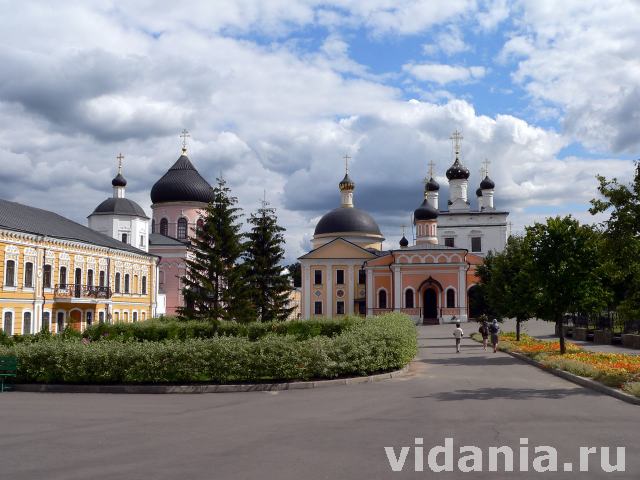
x,y
8,368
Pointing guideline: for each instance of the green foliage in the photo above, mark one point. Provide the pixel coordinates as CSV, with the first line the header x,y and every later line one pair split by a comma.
x,y
573,366
215,283
295,271
5,339
633,388
365,346
566,270
268,288
158,330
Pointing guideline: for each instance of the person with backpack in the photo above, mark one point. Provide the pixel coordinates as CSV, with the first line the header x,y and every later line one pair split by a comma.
x,y
494,330
484,331
458,334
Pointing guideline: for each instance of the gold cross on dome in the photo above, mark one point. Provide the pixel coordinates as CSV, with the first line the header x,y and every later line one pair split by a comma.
x,y
346,163
184,135
485,167
431,165
120,157
456,137
403,227
264,199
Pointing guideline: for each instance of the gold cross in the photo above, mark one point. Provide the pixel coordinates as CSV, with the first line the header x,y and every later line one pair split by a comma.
x,y
120,157
403,227
264,199
184,135
457,137
485,164
431,165
346,163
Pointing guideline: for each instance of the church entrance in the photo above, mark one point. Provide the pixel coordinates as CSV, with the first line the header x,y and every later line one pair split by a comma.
x,y
430,306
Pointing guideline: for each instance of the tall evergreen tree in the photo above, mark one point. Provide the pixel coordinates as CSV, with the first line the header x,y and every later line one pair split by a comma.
x,y
214,284
269,288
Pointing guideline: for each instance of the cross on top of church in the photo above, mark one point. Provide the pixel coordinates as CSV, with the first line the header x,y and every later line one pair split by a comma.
x,y
346,163
264,202
120,157
184,135
403,227
485,167
456,137
431,166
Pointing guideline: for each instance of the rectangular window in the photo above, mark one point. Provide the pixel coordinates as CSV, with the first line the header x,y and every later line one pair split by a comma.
x,y
46,276
317,277
476,244
144,285
362,308
90,277
46,321
102,279
448,242
362,277
10,274
101,317
28,275
89,319
141,241
340,308
340,277
318,308
60,321
26,323
7,326
124,238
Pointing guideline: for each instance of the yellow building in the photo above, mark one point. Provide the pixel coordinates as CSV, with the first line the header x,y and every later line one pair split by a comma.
x,y
55,272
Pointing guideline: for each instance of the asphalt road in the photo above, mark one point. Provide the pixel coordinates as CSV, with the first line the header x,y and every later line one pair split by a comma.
x,y
477,398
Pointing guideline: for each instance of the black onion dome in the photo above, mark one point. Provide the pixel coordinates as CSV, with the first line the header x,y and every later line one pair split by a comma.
x,y
120,206
425,212
487,184
346,183
457,171
343,219
119,181
404,242
479,192
432,185
182,183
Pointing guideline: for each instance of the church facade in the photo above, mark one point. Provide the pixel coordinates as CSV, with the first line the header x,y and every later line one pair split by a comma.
x,y
348,272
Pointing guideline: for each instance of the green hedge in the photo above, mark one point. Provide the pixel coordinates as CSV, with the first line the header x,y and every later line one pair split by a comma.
x,y
370,345
157,330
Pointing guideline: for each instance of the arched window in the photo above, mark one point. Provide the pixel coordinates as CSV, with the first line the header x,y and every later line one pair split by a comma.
x,y
46,320
102,279
408,298
135,316
26,323
451,298
117,282
46,276
10,274
7,326
182,228
28,275
89,319
136,286
90,277
164,227
126,283
382,299
62,280
60,322
144,285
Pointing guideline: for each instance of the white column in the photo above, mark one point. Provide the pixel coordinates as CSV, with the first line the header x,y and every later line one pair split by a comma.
x,y
370,292
462,293
397,287
350,297
329,312
306,291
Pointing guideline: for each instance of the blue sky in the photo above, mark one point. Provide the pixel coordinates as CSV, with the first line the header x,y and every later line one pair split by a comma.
x,y
275,93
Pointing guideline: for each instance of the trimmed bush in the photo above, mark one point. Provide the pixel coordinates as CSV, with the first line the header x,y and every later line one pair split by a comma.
x,y
364,346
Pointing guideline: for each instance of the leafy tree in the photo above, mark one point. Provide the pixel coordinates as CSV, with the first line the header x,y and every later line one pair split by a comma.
x,y
566,273
295,270
506,282
214,284
621,240
269,288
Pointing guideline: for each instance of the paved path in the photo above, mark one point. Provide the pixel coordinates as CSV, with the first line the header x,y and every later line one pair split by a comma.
x,y
546,331
478,398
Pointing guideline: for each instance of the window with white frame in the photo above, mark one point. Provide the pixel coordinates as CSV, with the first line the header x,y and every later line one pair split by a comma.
x,y
382,298
60,322
451,298
46,276
408,298
28,275
10,273
46,321
7,324
27,327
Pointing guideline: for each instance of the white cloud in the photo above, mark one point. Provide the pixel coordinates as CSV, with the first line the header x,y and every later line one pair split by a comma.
x,y
443,73
451,41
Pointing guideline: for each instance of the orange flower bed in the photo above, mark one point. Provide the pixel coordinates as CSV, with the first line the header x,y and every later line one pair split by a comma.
x,y
609,361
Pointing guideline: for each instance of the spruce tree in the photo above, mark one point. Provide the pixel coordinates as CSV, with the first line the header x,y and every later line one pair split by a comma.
x,y
215,281
268,286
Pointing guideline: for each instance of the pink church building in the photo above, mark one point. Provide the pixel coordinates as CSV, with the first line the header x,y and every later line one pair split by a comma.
x,y
178,200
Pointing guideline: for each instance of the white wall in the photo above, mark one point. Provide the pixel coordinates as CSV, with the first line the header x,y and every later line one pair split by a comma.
x,y
116,225
490,226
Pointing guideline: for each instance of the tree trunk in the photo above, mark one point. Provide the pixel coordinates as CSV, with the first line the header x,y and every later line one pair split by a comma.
x,y
560,324
517,329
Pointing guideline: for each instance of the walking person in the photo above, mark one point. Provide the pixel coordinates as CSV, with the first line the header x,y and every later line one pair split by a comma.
x,y
484,331
494,329
458,334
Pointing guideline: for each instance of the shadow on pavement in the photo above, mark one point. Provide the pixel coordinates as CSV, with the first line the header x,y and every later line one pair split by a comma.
x,y
494,393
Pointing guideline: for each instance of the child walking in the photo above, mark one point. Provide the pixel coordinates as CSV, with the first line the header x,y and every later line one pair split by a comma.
x,y
458,334
484,331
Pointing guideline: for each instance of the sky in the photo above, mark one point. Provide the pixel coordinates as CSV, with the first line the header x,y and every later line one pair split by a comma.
x,y
275,93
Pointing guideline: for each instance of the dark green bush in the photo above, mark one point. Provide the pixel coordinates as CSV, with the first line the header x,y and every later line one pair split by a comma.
x,y
367,346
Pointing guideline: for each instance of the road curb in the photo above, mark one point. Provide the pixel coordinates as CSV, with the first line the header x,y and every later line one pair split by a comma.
x,y
208,388
583,381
